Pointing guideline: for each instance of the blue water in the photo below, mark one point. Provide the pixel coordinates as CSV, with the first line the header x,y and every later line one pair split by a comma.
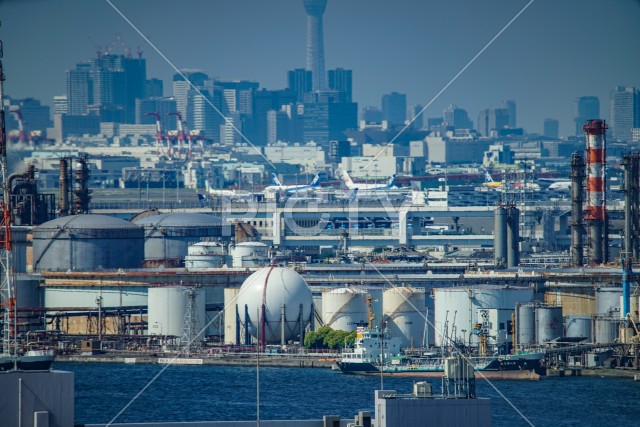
x,y
198,393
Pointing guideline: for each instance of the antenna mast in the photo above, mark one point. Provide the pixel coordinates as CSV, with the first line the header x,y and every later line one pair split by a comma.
x,y
6,289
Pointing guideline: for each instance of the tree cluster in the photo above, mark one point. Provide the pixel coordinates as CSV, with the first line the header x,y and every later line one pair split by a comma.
x,y
328,338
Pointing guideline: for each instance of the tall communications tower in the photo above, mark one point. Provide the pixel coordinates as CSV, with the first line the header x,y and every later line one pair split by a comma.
x,y
596,213
315,42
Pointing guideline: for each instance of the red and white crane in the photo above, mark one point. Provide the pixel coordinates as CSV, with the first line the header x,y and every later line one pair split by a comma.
x,y
181,134
159,136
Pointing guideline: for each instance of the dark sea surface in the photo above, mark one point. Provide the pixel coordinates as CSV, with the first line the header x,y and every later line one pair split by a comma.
x,y
201,393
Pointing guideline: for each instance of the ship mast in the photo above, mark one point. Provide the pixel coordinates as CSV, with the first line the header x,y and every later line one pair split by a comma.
x,y
6,289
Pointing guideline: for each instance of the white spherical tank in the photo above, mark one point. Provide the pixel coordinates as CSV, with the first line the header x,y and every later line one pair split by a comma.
x,y
250,254
344,308
167,308
548,323
403,308
463,304
578,327
525,325
608,301
275,288
205,255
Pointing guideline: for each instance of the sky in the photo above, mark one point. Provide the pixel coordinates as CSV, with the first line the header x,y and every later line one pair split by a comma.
x,y
555,51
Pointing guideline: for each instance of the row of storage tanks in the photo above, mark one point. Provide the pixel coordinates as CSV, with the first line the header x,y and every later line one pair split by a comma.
x,y
93,242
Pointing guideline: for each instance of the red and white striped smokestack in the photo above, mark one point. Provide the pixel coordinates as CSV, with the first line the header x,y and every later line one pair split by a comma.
x,y
595,131
596,214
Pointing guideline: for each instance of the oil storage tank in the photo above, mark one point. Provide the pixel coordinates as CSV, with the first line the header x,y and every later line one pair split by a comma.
x,y
608,300
168,306
87,243
403,308
525,325
462,303
250,254
548,323
344,308
206,255
168,236
605,329
278,304
578,327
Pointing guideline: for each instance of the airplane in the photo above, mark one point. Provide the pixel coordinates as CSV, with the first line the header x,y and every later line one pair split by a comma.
x,y
365,187
489,182
564,184
233,194
291,189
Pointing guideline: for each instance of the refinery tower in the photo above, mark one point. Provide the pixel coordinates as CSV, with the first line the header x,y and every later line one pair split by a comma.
x,y
315,41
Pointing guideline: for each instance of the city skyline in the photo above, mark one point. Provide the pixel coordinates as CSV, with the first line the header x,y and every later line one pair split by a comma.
x,y
408,58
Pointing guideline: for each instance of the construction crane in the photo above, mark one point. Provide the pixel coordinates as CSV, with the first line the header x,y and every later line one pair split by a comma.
x,y
159,136
180,134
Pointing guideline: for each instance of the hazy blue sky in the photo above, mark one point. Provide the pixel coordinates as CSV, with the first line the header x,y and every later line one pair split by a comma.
x,y
557,50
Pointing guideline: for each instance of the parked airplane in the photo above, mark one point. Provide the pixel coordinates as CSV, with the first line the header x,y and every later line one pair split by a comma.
x,y
365,187
233,194
291,189
489,182
564,184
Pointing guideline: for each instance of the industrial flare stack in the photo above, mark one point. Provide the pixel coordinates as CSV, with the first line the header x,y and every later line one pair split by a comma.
x,y
596,215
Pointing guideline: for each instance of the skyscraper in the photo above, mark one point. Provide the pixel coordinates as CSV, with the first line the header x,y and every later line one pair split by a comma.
x,y
551,128
394,108
181,88
456,117
315,41
510,106
585,108
341,80
492,119
300,81
624,112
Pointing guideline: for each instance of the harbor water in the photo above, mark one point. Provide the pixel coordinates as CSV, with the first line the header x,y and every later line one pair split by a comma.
x,y
198,393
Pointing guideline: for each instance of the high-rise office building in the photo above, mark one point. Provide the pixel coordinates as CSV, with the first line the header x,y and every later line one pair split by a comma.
x,y
510,106
456,117
551,128
154,88
34,115
300,82
108,86
237,96
394,108
326,120
79,89
60,104
585,108
315,42
492,119
182,87
341,80
624,112
372,115
162,106
416,118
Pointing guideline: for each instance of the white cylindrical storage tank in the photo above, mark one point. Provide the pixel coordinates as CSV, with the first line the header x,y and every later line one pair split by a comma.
x,y
403,308
206,255
608,301
344,308
548,323
167,308
250,254
606,329
280,291
525,325
463,304
578,327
